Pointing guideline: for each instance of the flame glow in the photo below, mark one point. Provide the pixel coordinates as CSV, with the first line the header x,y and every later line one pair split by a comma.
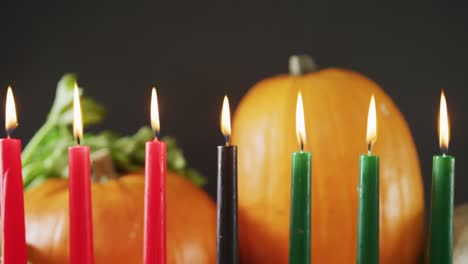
x,y
154,111
226,118
300,122
444,126
11,121
371,135
77,119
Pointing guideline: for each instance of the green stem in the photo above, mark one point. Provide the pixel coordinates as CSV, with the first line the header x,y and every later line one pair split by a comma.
x,y
31,174
36,140
301,64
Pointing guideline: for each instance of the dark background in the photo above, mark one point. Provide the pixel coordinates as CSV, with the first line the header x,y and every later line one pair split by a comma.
x,y
195,53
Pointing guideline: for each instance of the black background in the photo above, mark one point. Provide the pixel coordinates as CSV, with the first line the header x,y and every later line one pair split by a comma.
x,y
197,52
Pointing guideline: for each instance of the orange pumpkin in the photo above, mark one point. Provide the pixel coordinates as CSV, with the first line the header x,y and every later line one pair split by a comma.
x,y
118,221
336,102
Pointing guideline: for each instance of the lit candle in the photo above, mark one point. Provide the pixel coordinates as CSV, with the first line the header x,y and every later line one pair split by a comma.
x,y
300,221
154,247
79,173
368,214
227,245
13,234
443,172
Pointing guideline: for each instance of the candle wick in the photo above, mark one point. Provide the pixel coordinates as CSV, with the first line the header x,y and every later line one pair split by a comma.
x,y
369,148
227,138
444,150
156,134
9,132
302,146
78,140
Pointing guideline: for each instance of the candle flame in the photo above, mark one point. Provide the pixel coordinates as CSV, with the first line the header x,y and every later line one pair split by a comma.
x,y
77,119
444,126
371,135
300,122
154,111
226,119
11,121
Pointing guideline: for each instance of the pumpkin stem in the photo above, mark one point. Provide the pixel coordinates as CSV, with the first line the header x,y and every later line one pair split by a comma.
x,y
301,64
102,165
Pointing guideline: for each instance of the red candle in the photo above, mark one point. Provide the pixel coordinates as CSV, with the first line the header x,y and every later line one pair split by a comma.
x,y
13,235
81,221
154,247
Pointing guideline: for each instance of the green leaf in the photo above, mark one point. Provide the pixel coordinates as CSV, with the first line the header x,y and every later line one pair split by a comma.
x,y
94,113
45,156
194,176
63,96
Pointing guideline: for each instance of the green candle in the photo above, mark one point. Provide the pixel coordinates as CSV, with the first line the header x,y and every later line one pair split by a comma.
x,y
299,229
443,171
368,213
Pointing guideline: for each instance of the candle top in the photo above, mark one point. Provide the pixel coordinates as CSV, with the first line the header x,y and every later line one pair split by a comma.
x,y
300,122
77,120
11,121
444,126
371,133
226,120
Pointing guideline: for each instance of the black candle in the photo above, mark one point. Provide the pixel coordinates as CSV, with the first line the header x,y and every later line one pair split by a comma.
x,y
227,245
